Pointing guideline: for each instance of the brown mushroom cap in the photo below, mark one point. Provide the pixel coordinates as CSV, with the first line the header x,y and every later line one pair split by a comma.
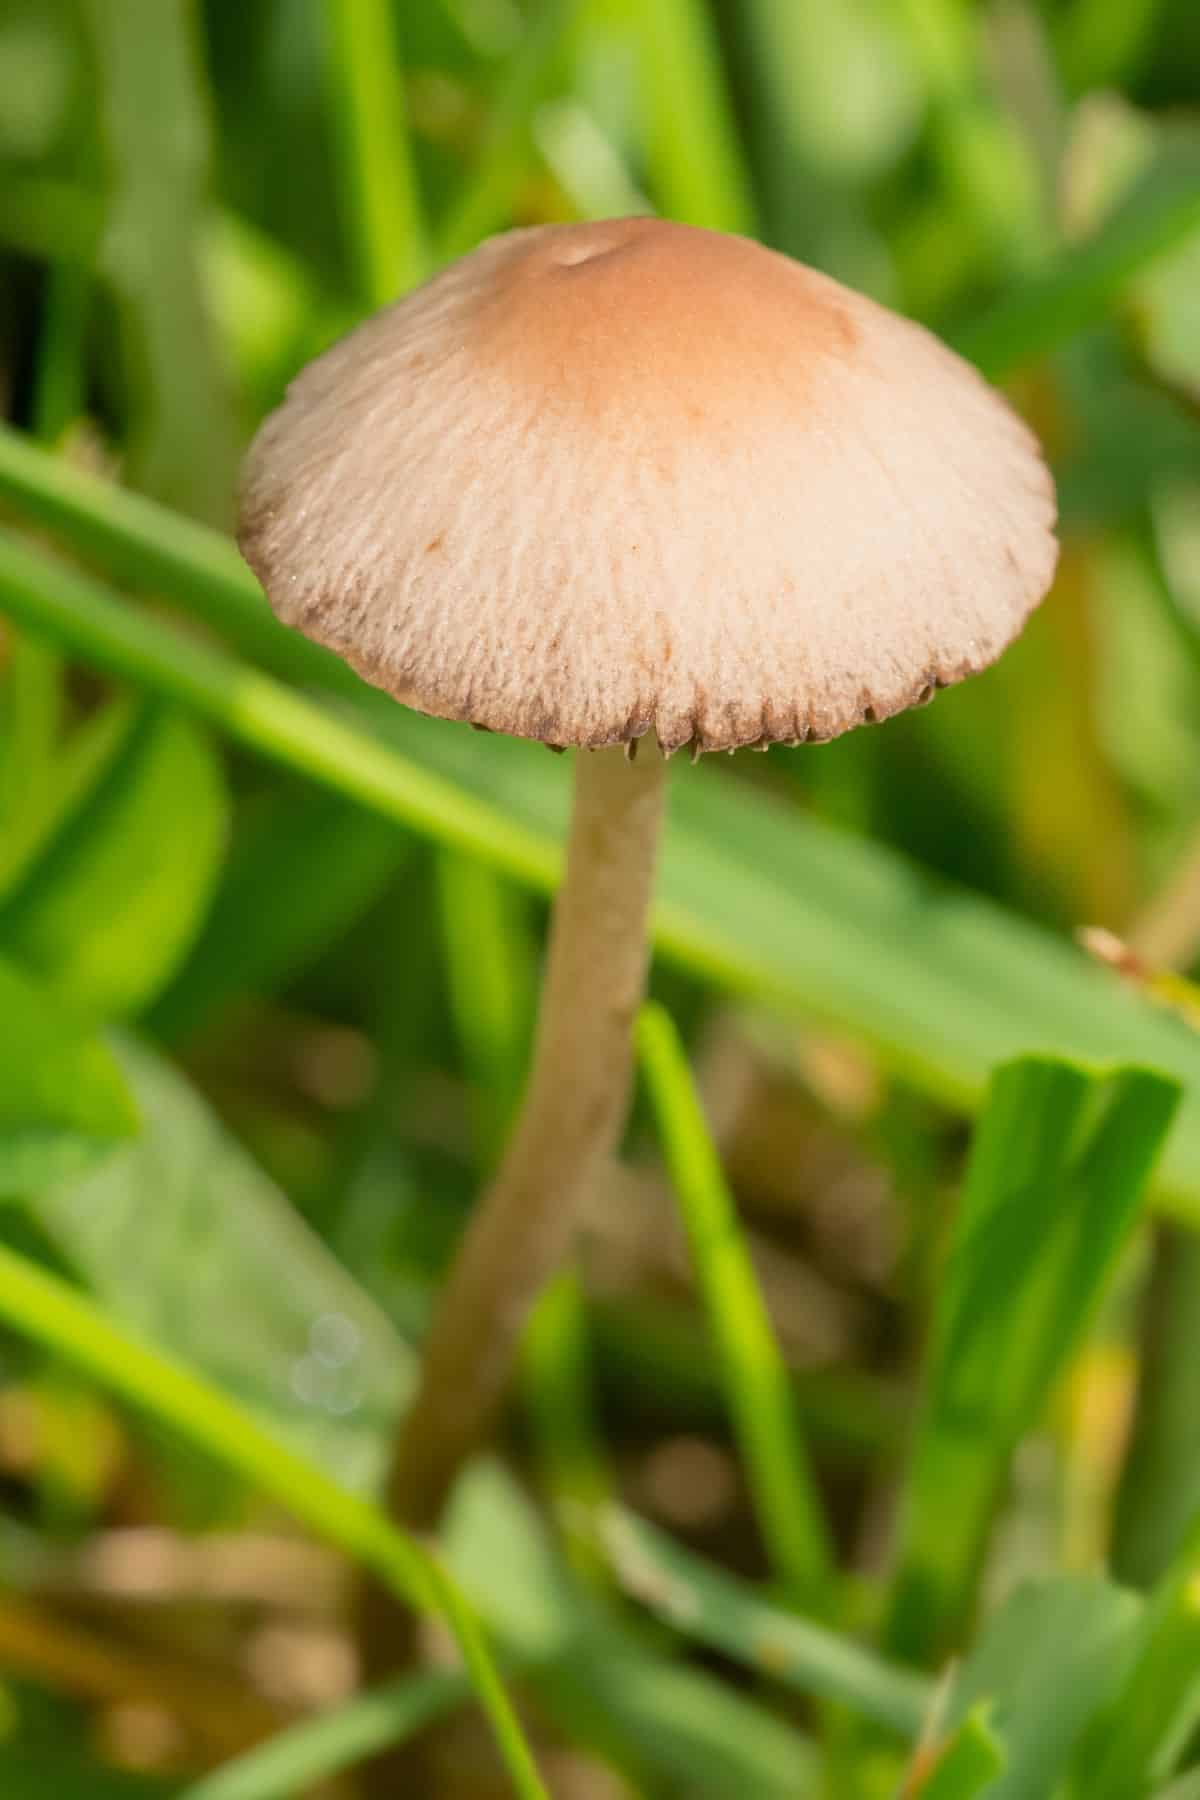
x,y
597,480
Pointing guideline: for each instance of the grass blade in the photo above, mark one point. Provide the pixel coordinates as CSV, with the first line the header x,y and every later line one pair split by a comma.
x,y
110,904
1150,1719
1160,1482
151,547
380,192
558,1391
1059,1163
967,1766
674,1726
259,712
303,867
63,1102
154,125
317,1749
1048,1658
698,170
32,706
42,1307
1080,288
711,1607
491,976
757,1389
503,158
181,1235
60,379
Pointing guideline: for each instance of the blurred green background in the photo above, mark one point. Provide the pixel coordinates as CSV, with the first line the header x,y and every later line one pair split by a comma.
x,y
269,944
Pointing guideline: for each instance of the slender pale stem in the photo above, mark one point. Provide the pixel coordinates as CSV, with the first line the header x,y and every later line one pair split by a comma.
x,y
569,1123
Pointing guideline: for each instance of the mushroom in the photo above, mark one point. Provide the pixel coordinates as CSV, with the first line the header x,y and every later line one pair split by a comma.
x,y
630,484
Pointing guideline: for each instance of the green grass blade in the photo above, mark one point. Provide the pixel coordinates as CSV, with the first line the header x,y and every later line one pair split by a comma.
x,y
318,1749
491,975
514,1751
697,166
1100,45
1150,1719
556,1368
63,1102
1160,1481
41,1307
303,867
292,888
380,192
503,158
153,109
824,96
259,712
1059,1164
150,547
758,1391
1080,288
32,705
986,161
586,164
37,1771
111,902
181,1236
969,1764
1051,1655
52,220
59,386
677,1728
711,1607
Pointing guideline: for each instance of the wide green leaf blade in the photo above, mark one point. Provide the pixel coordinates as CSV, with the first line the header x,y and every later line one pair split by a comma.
x,y
184,1238
53,782
1059,1164
1050,1657
303,866
112,902
63,1100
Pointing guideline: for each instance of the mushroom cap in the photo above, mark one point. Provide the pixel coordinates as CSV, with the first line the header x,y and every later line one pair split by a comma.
x,y
597,480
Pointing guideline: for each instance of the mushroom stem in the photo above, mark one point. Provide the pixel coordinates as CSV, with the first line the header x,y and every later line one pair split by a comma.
x,y
570,1121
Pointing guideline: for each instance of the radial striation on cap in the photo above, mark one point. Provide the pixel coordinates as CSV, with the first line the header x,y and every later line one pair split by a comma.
x,y
599,480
